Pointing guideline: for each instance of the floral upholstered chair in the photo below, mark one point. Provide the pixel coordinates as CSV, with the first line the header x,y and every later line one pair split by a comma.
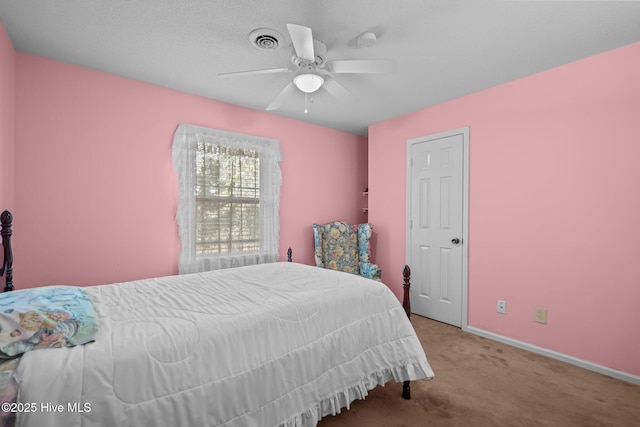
x,y
345,247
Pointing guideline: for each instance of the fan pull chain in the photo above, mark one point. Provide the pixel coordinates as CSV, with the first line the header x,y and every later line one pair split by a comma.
x,y
306,103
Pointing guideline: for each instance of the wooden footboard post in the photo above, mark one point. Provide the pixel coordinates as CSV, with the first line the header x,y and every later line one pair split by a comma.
x,y
406,304
406,300
7,258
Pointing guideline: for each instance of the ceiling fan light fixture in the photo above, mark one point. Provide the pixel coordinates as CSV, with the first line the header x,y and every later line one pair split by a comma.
x,y
308,83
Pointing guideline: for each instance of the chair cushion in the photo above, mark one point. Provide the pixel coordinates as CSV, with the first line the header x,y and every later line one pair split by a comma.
x,y
338,248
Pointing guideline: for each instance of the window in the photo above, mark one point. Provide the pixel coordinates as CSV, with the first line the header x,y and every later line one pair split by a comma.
x,y
229,197
227,200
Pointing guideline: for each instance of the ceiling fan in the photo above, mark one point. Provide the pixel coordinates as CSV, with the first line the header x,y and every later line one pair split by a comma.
x,y
313,71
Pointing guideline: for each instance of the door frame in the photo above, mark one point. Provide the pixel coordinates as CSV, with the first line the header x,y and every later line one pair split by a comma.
x,y
464,131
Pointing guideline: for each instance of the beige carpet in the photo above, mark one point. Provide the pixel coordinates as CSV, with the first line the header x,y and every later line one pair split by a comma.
x,y
480,382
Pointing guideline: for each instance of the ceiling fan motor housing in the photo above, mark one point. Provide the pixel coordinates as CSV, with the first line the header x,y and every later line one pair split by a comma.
x,y
320,51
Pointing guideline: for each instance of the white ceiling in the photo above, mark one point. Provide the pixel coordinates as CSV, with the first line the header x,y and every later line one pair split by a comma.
x,y
444,49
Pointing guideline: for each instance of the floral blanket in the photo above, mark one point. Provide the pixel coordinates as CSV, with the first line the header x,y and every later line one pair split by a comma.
x,y
38,318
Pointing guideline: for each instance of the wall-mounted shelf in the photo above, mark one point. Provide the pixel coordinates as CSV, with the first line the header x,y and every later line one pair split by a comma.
x,y
365,193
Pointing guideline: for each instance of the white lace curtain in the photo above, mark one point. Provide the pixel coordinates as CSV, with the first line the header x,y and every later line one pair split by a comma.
x,y
185,142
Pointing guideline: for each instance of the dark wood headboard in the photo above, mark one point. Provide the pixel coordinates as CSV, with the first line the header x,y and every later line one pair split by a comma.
x,y
7,254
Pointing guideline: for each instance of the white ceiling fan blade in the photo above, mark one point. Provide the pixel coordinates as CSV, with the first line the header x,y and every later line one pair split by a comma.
x,y
255,72
365,66
338,91
302,39
282,96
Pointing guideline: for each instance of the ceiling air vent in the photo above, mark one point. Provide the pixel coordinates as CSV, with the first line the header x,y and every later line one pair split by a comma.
x,y
265,38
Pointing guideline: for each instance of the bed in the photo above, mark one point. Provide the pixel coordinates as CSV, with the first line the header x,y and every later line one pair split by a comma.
x,y
264,345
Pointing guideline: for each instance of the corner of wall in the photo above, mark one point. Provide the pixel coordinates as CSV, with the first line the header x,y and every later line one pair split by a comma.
x,y
7,119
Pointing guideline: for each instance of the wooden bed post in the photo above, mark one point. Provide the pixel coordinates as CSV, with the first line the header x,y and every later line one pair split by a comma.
x,y
406,300
406,304
7,259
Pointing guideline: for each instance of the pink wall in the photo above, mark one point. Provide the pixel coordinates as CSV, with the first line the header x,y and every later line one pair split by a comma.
x,y
95,186
7,106
554,204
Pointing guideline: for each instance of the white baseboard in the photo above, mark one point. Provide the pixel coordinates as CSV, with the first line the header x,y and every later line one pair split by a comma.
x,y
624,376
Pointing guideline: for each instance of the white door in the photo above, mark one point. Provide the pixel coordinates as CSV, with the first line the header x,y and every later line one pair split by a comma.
x,y
436,205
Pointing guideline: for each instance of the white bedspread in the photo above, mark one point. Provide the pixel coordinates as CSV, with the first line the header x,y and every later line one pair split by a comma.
x,y
265,345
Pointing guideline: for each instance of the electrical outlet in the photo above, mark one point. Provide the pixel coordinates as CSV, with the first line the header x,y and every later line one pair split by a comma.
x,y
502,307
541,315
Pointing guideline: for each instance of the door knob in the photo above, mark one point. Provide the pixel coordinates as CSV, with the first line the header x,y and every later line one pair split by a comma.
x,y
455,240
